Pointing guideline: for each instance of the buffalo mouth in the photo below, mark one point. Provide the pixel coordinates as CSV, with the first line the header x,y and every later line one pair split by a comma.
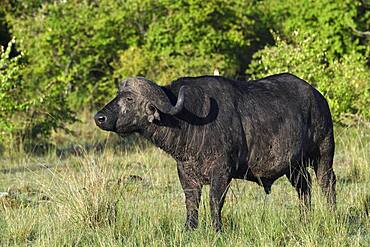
x,y
124,134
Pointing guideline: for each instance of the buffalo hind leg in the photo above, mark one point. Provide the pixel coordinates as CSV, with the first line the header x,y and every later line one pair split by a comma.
x,y
327,181
192,190
219,187
325,173
301,180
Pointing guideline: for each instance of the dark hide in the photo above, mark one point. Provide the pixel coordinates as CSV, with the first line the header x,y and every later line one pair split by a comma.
x,y
258,130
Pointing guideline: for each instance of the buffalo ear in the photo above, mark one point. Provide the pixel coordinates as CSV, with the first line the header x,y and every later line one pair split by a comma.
x,y
152,113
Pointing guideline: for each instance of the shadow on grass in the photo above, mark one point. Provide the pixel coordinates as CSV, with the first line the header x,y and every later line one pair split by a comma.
x,y
357,219
353,176
116,144
34,167
112,142
31,195
24,196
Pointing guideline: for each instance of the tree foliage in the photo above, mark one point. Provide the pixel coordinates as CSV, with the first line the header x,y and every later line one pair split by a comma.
x,y
89,45
192,38
26,111
344,81
317,41
11,88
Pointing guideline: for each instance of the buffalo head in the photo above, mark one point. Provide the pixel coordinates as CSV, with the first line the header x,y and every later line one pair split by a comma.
x,y
139,103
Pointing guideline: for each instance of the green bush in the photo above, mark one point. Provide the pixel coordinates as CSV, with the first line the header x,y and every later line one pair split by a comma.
x,y
11,100
89,46
26,111
331,22
187,38
70,45
344,81
319,41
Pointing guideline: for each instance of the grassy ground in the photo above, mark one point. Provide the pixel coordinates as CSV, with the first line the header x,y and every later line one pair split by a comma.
x,y
124,194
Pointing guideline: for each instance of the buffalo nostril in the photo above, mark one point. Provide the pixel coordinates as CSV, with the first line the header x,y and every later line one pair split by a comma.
x,y
100,118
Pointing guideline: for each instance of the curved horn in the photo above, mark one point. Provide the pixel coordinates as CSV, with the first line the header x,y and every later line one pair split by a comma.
x,y
179,104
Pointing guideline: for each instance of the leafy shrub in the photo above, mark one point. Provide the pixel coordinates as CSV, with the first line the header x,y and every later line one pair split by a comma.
x,y
331,22
26,110
320,42
88,46
344,81
192,38
11,85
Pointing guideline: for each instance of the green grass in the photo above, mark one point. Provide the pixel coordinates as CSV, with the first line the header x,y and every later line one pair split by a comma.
x,y
125,194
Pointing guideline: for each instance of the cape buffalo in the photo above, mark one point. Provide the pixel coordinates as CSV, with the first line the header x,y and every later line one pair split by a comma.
x,y
218,129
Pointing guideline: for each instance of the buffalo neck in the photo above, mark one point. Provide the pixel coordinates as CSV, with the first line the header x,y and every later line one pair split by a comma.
x,y
169,138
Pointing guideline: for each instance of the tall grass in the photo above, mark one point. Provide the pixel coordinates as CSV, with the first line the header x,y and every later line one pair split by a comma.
x,y
131,196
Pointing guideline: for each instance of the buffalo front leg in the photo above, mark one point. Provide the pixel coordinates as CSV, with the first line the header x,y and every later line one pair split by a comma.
x,y
192,190
219,187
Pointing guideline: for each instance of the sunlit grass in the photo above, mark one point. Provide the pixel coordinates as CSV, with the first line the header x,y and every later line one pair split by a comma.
x,y
131,196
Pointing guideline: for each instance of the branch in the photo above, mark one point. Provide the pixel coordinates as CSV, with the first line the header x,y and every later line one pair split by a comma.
x,y
360,33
